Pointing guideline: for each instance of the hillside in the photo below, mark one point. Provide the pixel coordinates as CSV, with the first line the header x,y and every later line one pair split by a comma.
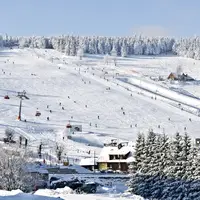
x,y
87,89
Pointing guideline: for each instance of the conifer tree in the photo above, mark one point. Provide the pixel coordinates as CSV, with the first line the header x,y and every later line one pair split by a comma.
x,y
139,151
187,157
149,152
176,168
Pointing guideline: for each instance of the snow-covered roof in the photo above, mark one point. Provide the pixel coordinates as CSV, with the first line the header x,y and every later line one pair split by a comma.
x,y
88,162
115,150
122,151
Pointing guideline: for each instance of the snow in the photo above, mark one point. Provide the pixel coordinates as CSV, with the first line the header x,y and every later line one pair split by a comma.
x,y
51,85
19,195
27,197
7,193
65,194
88,162
54,193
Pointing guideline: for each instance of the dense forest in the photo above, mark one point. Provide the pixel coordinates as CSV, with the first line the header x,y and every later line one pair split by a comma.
x,y
165,168
123,46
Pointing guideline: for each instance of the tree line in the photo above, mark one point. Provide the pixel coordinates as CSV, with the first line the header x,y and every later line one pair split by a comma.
x,y
165,168
123,46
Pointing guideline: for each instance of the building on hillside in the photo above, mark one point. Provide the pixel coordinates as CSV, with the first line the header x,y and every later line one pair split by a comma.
x,y
89,163
179,77
173,76
116,156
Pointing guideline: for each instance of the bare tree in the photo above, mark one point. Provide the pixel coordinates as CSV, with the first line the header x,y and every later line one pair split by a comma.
x,y
40,150
59,151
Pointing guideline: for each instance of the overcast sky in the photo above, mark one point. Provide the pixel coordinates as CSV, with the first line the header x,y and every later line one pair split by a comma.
x,y
100,17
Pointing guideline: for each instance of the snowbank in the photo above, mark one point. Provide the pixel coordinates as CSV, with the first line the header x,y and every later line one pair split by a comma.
x,y
10,195
59,192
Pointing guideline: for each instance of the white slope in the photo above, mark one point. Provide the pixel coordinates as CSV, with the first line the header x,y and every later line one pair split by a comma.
x,y
86,89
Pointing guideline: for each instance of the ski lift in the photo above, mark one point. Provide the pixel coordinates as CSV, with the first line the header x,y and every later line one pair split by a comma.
x,y
6,97
68,126
37,114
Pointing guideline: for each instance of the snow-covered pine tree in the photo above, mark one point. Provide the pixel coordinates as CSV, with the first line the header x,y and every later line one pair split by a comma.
x,y
149,155
108,46
117,46
72,47
195,163
101,45
136,184
80,54
67,45
149,151
139,152
165,153
194,189
187,157
138,47
124,51
24,42
176,169
1,41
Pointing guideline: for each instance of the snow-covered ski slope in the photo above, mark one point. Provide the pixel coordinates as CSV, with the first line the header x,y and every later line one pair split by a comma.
x,y
87,89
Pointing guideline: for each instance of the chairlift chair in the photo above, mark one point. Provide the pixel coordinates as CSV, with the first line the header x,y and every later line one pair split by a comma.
x,y
6,97
37,114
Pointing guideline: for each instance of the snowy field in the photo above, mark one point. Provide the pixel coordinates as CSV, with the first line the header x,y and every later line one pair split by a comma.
x,y
63,194
93,95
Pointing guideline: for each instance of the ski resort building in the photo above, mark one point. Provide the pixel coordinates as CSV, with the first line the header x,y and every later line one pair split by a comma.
x,y
180,77
172,76
116,156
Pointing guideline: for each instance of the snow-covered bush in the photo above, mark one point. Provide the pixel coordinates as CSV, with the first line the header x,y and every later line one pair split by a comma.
x,y
9,133
12,171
